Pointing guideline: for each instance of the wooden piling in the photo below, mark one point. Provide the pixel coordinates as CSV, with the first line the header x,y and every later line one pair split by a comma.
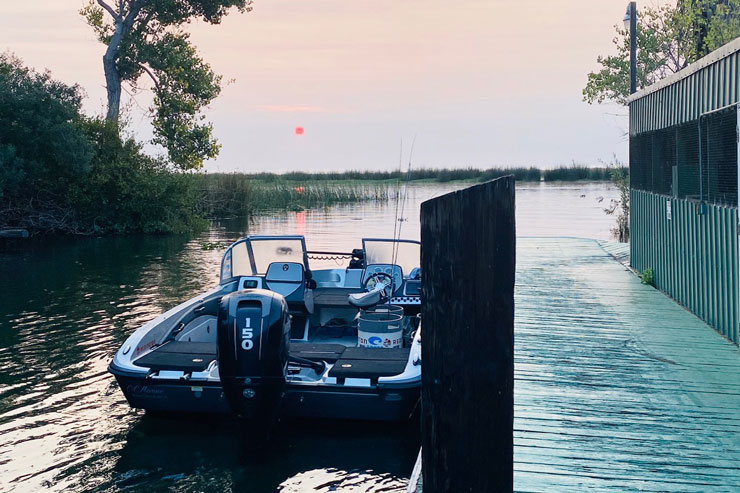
x,y
467,261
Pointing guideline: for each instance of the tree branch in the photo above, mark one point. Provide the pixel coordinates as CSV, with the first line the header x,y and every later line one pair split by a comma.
x,y
154,78
144,22
134,10
109,9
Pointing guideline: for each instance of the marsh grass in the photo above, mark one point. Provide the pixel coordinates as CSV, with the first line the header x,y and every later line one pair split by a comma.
x,y
238,194
620,209
441,175
225,195
285,195
574,172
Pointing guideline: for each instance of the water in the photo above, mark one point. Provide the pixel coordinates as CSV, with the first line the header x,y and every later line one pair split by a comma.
x,y
66,305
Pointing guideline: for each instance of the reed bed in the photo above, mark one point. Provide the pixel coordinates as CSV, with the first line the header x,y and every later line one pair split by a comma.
x,y
577,173
283,195
225,195
443,175
238,194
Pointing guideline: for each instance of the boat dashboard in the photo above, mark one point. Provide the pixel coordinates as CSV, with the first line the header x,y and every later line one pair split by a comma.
x,y
405,290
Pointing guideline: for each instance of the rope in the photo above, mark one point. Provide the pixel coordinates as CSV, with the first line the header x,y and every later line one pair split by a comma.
x,y
329,257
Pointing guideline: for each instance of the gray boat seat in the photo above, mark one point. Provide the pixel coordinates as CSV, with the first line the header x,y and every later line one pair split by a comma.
x,y
289,280
365,300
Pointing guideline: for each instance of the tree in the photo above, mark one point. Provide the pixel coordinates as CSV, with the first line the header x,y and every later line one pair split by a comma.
x,y
145,38
722,20
62,172
43,145
669,38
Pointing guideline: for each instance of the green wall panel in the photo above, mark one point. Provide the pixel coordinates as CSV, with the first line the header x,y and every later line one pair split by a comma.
x,y
694,257
709,88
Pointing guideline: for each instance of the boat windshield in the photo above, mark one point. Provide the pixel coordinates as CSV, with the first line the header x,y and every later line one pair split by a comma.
x,y
253,255
404,253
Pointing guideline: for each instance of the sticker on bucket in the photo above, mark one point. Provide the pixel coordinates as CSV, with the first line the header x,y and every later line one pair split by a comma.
x,y
380,330
390,340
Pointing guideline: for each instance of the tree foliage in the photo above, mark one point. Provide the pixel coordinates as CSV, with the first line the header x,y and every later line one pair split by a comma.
x,y
669,38
42,140
127,191
63,172
146,38
620,208
722,24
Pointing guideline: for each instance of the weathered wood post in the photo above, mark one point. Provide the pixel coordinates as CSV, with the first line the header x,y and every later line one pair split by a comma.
x,y
467,261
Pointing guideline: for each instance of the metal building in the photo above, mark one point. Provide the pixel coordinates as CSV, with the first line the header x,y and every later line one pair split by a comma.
x,y
684,186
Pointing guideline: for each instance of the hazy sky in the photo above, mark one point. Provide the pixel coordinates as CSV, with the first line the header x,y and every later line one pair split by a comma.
x,y
479,82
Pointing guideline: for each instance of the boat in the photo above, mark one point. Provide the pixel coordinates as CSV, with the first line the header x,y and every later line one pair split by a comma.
x,y
278,338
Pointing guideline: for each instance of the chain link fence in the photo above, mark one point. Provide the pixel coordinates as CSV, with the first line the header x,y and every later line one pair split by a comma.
x,y
695,160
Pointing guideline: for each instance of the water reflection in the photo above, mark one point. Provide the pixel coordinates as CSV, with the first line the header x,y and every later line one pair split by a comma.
x,y
158,454
67,304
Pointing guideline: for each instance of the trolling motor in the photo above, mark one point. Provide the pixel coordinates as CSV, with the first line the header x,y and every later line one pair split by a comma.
x,y
358,259
253,352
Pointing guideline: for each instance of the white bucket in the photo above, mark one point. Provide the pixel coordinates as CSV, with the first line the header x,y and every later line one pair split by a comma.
x,y
380,330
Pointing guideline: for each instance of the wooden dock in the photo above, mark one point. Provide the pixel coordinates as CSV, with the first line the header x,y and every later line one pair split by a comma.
x,y
617,387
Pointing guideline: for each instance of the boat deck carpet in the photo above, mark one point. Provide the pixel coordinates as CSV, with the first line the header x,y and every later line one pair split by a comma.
x,y
317,352
370,363
179,356
349,362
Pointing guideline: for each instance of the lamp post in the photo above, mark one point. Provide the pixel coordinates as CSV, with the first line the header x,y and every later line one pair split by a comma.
x,y
630,23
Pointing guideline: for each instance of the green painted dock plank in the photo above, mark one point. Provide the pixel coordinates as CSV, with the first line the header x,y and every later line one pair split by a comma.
x,y
617,387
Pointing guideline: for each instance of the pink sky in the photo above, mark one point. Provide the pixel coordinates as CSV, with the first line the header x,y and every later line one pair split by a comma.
x,y
479,82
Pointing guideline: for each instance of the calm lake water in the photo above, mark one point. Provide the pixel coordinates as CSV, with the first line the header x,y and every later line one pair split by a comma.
x,y
66,305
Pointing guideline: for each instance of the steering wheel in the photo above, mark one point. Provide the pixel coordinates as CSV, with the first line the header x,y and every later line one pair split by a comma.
x,y
379,277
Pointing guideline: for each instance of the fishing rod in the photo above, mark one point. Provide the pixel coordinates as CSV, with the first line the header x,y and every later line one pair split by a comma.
x,y
403,204
398,194
400,219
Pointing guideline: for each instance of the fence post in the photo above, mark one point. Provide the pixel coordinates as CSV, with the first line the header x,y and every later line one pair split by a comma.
x,y
467,261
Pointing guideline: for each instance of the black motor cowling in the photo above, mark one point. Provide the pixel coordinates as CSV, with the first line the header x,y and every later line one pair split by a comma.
x,y
253,347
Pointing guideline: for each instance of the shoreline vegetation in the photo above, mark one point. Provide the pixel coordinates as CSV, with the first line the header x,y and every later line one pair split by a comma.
x,y
242,194
573,172
225,195
63,172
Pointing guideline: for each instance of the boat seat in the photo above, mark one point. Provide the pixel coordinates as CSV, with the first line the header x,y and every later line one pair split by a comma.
x,y
289,280
179,356
365,300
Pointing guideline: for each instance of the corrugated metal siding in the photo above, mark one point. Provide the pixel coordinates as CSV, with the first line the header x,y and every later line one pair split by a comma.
x,y
694,257
708,89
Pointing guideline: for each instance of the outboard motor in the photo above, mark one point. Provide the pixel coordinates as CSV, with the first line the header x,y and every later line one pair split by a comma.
x,y
253,346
